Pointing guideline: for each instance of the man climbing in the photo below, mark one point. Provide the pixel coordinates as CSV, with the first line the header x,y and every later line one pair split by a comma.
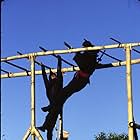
x,y
53,87
87,62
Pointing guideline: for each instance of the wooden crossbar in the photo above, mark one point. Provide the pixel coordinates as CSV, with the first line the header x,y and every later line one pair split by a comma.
x,y
69,51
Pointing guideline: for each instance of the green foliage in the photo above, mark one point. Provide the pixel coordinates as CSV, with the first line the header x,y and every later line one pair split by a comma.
x,y
111,136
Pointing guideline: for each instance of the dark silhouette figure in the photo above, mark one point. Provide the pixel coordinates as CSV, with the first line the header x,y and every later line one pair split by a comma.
x,y
53,87
87,62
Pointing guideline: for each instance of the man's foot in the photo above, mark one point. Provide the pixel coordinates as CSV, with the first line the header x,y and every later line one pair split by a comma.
x,y
41,128
46,108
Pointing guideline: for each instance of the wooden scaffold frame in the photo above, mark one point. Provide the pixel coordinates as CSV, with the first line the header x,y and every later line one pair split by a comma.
x,y
32,130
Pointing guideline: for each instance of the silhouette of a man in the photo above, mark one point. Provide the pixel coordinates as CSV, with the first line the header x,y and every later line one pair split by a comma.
x,y
53,87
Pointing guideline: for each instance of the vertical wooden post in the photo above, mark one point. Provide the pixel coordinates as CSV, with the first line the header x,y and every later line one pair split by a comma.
x,y
32,95
59,127
129,91
32,129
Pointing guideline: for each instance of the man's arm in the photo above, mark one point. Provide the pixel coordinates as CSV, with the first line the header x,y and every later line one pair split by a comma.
x,y
59,73
46,81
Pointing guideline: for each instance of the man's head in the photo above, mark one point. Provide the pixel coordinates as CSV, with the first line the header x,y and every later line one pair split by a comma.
x,y
87,43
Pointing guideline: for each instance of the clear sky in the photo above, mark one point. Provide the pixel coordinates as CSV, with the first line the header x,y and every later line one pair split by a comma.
x,y
102,105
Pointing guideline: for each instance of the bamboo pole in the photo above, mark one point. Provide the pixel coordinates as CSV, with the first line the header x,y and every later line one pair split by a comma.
x,y
37,133
27,134
59,127
32,129
32,95
69,51
70,69
129,91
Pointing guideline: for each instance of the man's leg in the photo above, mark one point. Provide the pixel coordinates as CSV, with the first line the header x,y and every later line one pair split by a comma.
x,y
49,135
75,85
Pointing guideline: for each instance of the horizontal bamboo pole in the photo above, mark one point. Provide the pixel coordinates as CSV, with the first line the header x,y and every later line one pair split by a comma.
x,y
70,69
69,51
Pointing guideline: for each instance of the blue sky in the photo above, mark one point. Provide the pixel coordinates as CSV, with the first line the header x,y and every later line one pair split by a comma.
x,y
102,105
